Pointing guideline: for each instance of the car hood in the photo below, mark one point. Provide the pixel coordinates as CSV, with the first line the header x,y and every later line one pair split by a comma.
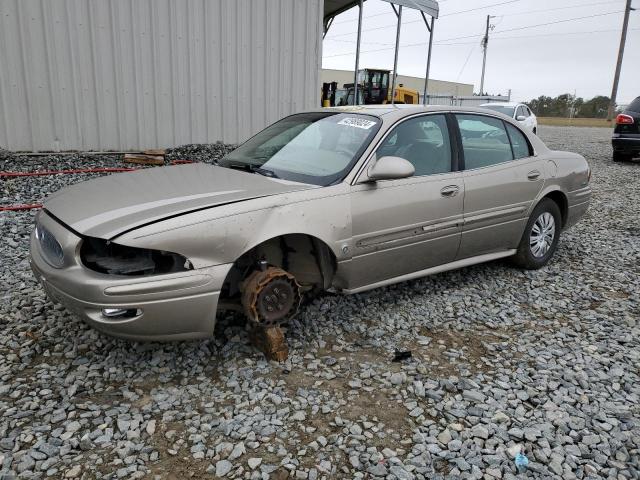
x,y
108,206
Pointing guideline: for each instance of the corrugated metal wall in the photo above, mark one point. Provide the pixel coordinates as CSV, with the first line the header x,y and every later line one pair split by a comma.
x,y
136,74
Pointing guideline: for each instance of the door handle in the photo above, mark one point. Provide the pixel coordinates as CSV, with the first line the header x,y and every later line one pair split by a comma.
x,y
533,175
449,191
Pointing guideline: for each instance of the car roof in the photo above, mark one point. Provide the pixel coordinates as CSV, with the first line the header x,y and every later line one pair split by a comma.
x,y
397,111
501,104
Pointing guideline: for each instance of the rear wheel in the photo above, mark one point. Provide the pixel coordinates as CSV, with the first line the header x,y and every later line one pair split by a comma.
x,y
540,238
620,157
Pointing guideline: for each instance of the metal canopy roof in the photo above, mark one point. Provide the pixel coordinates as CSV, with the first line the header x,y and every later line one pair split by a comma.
x,y
430,7
425,7
336,7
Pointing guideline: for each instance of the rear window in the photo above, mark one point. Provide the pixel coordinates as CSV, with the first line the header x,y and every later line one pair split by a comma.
x,y
635,105
507,110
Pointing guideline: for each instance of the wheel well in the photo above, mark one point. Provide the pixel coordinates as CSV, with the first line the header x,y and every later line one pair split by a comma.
x,y
307,258
562,202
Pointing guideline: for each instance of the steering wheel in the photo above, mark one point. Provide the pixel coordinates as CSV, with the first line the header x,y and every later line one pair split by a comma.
x,y
345,153
491,134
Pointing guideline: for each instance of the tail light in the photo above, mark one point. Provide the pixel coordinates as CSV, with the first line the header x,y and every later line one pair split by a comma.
x,y
624,119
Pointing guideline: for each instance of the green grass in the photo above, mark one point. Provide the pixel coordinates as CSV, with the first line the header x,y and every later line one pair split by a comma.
x,y
575,122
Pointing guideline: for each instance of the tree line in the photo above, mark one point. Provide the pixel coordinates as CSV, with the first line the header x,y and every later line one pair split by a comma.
x,y
567,105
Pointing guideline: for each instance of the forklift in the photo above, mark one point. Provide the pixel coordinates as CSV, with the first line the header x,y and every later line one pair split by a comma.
x,y
373,89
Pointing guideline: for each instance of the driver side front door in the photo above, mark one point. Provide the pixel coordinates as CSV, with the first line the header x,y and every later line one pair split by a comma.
x,y
406,225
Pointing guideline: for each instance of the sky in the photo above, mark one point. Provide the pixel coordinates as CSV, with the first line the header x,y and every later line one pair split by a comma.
x,y
576,56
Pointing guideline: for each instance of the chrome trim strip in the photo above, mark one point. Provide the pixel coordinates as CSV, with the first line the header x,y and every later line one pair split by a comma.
x,y
430,271
495,214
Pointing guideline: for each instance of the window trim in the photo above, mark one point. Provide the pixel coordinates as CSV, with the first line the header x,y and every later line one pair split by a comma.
x,y
455,158
462,163
529,147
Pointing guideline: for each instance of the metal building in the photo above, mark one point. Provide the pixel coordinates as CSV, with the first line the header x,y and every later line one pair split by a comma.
x,y
134,74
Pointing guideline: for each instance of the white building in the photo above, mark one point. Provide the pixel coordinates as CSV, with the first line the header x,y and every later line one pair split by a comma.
x,y
135,74
128,75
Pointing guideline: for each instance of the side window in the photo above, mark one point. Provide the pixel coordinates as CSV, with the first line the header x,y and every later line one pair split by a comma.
x,y
521,112
484,141
518,142
527,111
424,141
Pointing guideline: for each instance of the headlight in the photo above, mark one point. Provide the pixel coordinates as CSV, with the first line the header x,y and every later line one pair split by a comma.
x,y
111,258
51,249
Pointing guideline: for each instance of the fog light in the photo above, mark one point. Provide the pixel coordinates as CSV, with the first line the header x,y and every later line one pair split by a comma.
x,y
118,313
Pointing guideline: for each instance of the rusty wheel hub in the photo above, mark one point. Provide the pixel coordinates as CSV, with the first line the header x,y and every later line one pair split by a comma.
x,y
270,296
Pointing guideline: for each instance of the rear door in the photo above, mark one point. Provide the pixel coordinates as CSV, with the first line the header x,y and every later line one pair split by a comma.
x,y
501,179
406,225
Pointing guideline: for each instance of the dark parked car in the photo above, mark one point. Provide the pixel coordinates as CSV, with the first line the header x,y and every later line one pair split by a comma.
x,y
626,136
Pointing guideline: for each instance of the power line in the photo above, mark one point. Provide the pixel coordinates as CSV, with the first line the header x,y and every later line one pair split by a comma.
x,y
465,62
478,8
422,44
444,15
609,2
525,27
499,31
539,35
382,27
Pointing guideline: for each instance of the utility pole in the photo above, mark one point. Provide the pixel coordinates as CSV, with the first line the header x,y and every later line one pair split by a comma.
x,y
485,42
616,77
355,74
395,58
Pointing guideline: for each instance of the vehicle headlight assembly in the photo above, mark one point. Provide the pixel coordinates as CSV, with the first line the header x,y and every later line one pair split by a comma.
x,y
114,259
51,250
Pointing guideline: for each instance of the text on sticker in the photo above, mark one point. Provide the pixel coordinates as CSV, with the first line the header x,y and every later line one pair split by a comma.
x,y
357,122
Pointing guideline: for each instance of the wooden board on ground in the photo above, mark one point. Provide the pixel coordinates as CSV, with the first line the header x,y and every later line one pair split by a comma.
x,y
143,159
270,341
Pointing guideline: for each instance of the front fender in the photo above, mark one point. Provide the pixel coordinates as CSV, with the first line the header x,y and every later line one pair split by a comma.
x,y
222,234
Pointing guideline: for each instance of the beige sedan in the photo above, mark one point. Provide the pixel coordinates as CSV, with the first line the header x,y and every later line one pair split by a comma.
x,y
343,199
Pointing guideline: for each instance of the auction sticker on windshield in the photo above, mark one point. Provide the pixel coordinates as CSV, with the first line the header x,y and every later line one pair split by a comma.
x,y
357,122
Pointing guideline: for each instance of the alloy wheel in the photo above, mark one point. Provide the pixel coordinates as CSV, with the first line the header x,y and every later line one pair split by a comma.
x,y
542,235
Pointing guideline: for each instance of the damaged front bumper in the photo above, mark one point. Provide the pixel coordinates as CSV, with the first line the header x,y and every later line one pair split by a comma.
x,y
175,306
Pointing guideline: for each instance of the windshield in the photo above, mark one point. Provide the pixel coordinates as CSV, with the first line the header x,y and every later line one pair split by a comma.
x,y
508,111
318,147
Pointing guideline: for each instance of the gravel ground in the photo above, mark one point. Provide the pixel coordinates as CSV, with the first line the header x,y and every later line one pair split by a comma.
x,y
503,360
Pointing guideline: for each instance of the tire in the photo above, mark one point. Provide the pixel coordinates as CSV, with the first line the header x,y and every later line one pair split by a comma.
x,y
620,157
547,220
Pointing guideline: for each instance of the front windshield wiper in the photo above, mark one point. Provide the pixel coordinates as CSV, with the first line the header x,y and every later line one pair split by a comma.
x,y
247,167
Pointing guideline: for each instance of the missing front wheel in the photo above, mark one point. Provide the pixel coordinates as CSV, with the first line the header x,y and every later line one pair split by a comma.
x,y
270,296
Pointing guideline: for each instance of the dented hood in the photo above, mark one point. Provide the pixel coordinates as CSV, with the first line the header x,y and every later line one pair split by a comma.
x,y
108,206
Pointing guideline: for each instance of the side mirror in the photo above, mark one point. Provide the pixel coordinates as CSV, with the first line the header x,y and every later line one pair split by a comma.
x,y
390,168
521,118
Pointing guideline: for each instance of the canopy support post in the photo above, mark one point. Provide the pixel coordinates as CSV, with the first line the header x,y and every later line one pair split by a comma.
x,y
395,58
426,76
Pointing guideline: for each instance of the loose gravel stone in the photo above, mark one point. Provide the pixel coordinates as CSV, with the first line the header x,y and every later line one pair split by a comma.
x,y
503,361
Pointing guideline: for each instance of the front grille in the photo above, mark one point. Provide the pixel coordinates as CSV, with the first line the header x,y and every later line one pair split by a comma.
x,y
51,249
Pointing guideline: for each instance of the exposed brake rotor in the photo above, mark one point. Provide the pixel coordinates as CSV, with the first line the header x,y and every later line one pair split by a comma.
x,y
270,296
